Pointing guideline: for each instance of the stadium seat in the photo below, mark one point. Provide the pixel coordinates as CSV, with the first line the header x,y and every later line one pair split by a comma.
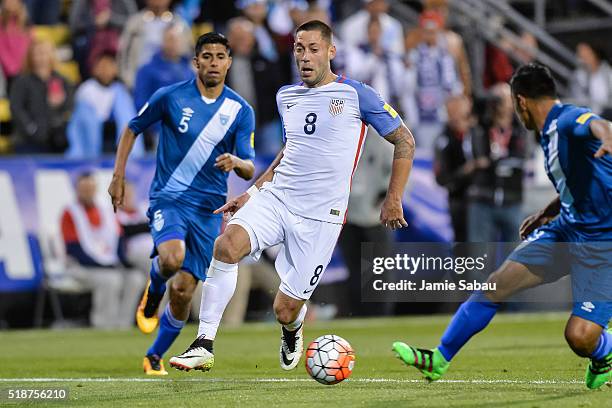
x,y
199,29
5,110
57,34
70,70
56,279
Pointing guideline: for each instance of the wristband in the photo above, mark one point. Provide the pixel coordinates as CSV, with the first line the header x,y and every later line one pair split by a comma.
x,y
253,190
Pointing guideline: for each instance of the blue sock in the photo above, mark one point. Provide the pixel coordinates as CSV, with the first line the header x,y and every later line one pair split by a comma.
x,y
604,347
471,317
169,329
158,281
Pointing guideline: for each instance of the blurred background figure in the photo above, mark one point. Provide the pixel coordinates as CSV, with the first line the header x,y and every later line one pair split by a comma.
x,y
41,102
354,30
454,163
103,107
256,79
448,39
44,12
436,80
496,191
592,84
96,26
168,66
142,37
257,12
15,37
382,70
91,237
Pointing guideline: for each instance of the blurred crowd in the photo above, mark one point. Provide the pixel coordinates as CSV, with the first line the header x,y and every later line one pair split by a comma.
x,y
74,72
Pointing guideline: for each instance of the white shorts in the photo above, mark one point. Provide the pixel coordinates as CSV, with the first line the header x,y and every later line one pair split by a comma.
x,y
306,244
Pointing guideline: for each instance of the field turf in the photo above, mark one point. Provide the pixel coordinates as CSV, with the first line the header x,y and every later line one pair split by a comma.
x,y
520,361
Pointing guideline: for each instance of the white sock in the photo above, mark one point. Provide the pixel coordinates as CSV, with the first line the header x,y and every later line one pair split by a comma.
x,y
298,321
217,291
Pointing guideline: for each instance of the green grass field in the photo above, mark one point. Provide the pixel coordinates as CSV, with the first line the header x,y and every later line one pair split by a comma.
x,y
520,361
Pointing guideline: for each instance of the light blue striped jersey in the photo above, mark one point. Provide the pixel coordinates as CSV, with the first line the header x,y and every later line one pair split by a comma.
x,y
583,182
194,133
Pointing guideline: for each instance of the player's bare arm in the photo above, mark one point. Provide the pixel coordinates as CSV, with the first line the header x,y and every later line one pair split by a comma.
x,y
227,162
542,217
602,130
235,204
392,213
117,186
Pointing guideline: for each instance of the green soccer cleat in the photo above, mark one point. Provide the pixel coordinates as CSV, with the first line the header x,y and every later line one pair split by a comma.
x,y
429,362
599,372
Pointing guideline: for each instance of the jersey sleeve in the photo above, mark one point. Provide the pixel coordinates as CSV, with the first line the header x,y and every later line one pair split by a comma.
x,y
375,111
576,122
151,112
245,134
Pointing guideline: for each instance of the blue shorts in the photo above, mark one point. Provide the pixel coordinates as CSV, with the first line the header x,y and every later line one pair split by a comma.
x,y
199,229
558,249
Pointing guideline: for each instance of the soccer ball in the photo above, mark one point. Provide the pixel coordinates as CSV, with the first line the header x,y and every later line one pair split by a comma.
x,y
330,359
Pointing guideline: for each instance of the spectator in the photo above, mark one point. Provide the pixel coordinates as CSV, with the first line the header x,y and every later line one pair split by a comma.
x,y
256,79
498,67
447,38
354,29
44,12
168,66
142,37
592,83
436,79
101,103
96,26
257,12
496,192
454,162
382,70
91,236
527,49
41,102
15,37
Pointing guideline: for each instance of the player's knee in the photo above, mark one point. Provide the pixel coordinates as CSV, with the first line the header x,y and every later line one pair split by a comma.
x,y
582,338
170,263
180,295
285,313
226,249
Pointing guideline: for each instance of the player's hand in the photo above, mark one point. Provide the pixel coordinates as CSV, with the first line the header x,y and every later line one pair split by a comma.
x,y
392,213
533,222
227,162
116,190
606,148
233,205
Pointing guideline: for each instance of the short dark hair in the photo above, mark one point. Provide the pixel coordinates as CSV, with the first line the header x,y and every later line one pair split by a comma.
x,y
533,81
211,38
317,25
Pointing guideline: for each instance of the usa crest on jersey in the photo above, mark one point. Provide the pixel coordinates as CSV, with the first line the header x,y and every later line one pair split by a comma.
x,y
336,106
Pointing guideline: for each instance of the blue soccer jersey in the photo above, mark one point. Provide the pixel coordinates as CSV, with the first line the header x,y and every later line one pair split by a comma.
x,y
194,132
583,182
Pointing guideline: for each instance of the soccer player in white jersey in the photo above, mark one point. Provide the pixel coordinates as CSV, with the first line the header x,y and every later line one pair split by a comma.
x,y
300,201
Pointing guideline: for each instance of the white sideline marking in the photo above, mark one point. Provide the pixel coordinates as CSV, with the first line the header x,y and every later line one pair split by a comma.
x,y
282,380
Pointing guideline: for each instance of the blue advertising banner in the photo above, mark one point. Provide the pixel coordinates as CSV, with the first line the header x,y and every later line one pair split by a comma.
x,y
35,190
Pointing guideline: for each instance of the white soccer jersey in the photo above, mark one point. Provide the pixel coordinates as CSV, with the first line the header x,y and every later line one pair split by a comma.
x,y
324,131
